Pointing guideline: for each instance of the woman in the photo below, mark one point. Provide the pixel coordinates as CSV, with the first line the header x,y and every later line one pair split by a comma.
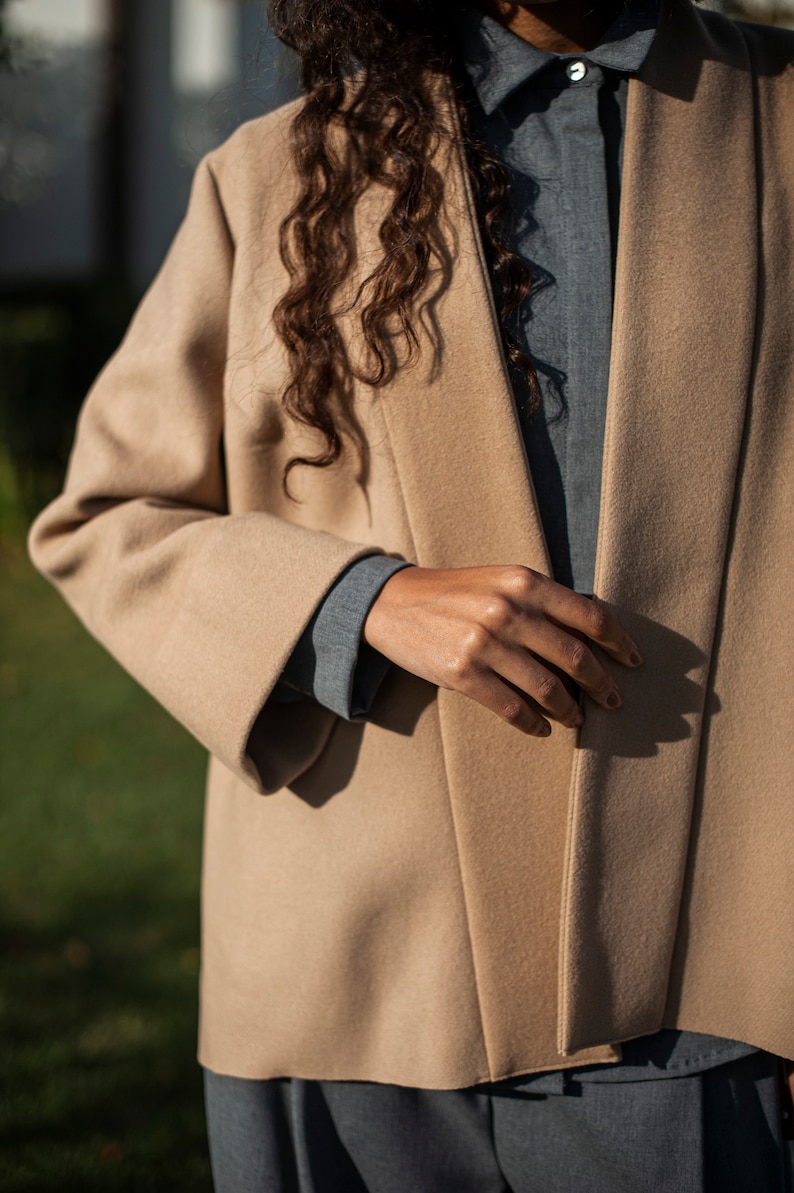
x,y
446,874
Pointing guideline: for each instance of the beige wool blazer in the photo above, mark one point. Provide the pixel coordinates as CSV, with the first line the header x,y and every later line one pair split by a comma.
x,y
432,898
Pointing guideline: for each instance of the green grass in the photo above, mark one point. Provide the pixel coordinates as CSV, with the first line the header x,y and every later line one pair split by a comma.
x,y
100,822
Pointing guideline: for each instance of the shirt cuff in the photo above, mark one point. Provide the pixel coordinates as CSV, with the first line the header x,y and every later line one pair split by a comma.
x,y
331,664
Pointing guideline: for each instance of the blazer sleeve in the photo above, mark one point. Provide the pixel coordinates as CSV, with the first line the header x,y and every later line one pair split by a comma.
x,y
201,606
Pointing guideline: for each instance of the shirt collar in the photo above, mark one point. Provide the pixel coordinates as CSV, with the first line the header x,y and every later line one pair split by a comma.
x,y
498,62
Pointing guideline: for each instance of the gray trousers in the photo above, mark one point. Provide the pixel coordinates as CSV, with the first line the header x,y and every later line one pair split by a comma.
x,y
717,1131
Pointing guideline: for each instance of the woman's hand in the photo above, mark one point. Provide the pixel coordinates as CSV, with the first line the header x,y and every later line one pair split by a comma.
x,y
499,635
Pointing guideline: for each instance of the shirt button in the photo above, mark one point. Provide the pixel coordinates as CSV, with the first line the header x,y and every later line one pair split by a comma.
x,y
576,71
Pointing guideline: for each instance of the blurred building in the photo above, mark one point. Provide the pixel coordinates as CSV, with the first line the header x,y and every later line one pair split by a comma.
x,y
106,107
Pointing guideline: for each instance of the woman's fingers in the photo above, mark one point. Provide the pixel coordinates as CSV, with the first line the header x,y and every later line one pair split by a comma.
x,y
598,624
572,655
489,690
528,673
568,608
534,614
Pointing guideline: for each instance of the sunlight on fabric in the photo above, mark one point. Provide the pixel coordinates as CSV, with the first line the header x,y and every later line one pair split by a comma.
x,y
205,44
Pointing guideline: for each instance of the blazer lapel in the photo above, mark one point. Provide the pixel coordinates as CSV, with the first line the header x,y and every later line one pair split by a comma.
x,y
453,423
682,361
460,456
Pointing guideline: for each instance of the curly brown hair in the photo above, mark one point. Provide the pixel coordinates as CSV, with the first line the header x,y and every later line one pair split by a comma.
x,y
395,52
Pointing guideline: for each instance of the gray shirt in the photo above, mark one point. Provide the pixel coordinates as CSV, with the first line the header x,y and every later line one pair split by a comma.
x,y
556,121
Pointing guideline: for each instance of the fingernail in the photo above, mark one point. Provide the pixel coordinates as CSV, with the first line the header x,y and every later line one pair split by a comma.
x,y
544,730
576,721
614,699
635,658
